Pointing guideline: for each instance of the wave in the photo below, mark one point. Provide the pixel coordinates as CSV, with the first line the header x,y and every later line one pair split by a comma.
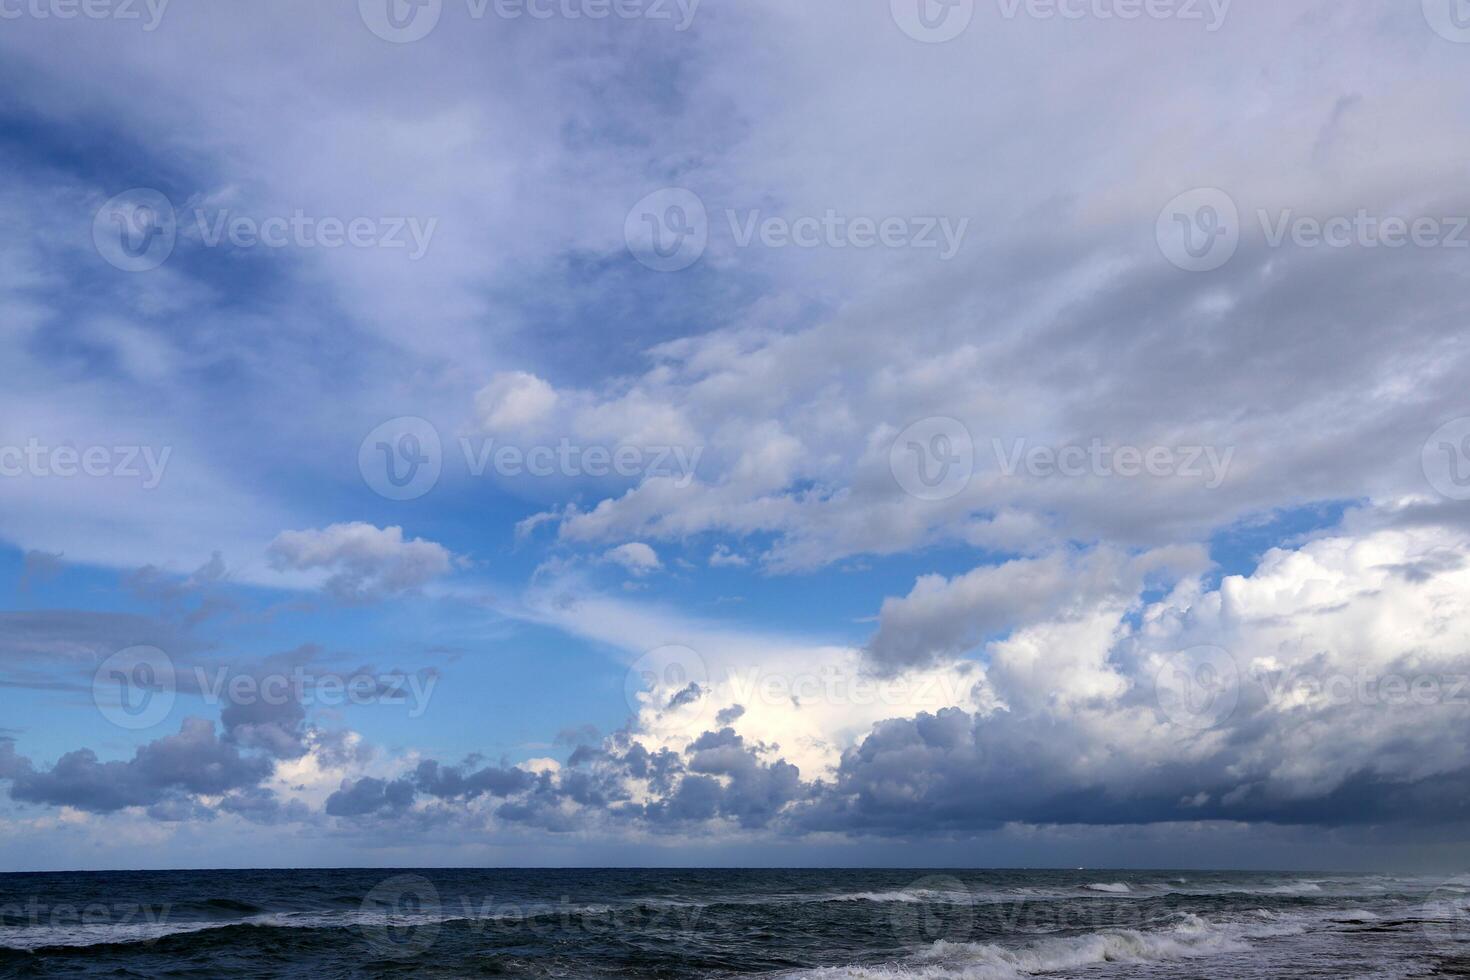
x,y
1191,937
103,934
34,938
1115,888
905,896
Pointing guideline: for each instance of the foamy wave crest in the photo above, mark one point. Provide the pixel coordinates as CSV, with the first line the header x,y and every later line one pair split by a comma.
x,y
101,934
906,896
1191,937
1114,888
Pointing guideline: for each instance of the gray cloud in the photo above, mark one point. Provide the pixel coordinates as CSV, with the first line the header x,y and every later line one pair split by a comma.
x,y
193,761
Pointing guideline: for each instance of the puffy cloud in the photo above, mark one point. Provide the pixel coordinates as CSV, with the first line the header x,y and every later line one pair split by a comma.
x,y
635,556
194,761
362,562
514,401
1339,672
723,557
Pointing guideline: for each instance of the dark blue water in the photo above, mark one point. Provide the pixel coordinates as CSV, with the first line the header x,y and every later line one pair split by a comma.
x,y
930,925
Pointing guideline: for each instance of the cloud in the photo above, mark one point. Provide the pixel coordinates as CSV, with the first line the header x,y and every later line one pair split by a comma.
x,y
362,562
1070,723
195,761
943,618
636,557
723,557
514,401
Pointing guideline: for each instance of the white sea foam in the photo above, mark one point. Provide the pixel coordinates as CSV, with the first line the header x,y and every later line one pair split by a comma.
x,y
1114,888
905,896
1192,937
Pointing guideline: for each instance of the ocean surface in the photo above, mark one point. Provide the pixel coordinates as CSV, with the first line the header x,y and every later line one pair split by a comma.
x,y
987,925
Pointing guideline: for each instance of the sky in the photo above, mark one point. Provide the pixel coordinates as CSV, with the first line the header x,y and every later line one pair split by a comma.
x,y
734,432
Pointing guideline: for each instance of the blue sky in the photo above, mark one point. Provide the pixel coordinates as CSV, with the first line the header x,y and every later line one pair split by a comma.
x,y
948,399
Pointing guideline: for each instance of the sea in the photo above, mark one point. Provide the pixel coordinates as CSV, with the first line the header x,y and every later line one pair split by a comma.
x,y
797,924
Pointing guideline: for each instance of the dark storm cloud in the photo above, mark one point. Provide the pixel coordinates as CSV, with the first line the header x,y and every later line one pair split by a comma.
x,y
729,715
372,796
